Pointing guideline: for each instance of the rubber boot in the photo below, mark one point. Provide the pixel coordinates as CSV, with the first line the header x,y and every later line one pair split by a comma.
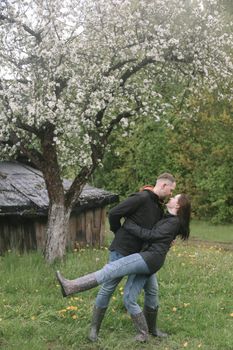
x,y
97,318
141,326
78,285
151,319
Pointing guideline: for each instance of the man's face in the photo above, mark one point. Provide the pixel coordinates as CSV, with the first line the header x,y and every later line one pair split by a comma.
x,y
167,189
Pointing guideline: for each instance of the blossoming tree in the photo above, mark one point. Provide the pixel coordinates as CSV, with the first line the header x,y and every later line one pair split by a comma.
x,y
71,71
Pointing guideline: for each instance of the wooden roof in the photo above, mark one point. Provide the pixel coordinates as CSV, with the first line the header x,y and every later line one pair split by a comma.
x,y
23,192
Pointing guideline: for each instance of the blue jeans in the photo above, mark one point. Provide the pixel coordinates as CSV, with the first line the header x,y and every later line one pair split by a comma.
x,y
134,285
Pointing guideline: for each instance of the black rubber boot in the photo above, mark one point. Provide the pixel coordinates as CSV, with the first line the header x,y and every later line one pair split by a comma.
x,y
141,326
78,285
151,319
97,318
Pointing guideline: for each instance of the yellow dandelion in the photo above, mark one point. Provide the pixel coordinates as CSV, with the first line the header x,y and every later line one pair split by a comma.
x,y
185,344
231,314
174,309
33,318
114,298
199,345
74,317
71,308
186,304
61,311
121,293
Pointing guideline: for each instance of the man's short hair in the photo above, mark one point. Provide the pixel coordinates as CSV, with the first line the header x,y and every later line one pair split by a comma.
x,y
166,176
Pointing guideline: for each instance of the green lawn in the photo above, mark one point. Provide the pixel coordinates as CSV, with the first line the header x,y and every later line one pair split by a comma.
x,y
206,231
195,296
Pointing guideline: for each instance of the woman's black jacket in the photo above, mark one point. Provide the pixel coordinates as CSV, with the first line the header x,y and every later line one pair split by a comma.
x,y
160,237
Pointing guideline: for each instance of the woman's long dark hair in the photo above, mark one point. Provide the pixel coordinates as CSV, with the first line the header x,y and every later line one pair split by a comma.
x,y
184,214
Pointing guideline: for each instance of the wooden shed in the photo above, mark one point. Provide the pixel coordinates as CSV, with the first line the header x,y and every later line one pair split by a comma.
x,y
24,209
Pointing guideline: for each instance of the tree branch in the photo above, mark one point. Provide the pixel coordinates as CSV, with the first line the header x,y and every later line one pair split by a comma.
x,y
32,154
27,127
75,189
116,121
24,26
119,65
131,71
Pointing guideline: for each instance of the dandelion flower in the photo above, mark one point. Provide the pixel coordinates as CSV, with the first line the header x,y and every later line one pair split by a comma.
x,y
71,308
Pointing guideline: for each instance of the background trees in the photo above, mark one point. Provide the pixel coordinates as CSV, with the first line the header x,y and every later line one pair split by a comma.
x,y
73,71
197,148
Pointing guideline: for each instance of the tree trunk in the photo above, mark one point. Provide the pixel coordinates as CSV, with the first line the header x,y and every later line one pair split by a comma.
x,y
57,231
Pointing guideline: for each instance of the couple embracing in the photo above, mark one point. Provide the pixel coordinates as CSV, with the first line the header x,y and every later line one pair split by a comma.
x,y
138,250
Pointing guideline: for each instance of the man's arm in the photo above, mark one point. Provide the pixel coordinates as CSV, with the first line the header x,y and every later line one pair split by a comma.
x,y
124,209
164,229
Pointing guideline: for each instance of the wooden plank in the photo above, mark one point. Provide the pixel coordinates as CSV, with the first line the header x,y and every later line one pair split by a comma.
x,y
70,242
40,229
80,236
89,226
102,227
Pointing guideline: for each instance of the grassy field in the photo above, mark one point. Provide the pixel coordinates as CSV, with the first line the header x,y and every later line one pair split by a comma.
x,y
207,231
196,298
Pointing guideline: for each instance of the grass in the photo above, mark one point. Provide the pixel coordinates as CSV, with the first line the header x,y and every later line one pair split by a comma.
x,y
195,296
206,231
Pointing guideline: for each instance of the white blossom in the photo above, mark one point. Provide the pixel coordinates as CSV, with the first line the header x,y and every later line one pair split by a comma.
x,y
65,63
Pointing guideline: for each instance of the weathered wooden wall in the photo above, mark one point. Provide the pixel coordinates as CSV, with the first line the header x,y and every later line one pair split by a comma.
x,y
25,234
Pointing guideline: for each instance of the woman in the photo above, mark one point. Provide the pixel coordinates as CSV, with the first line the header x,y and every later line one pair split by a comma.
x,y
143,264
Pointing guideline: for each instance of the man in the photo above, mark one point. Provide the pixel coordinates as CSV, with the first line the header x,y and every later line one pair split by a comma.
x,y
145,209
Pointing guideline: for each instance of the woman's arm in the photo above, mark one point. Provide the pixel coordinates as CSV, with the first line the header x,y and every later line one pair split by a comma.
x,y
124,209
165,228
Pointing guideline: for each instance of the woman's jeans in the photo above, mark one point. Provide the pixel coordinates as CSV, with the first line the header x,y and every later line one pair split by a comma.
x,y
139,278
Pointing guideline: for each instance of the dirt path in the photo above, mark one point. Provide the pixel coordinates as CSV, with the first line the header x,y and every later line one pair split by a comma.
x,y
215,244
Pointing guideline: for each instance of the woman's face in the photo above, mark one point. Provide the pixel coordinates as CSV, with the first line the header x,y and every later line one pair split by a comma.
x,y
173,202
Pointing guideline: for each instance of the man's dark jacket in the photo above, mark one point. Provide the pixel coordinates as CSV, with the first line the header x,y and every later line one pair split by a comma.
x,y
145,209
